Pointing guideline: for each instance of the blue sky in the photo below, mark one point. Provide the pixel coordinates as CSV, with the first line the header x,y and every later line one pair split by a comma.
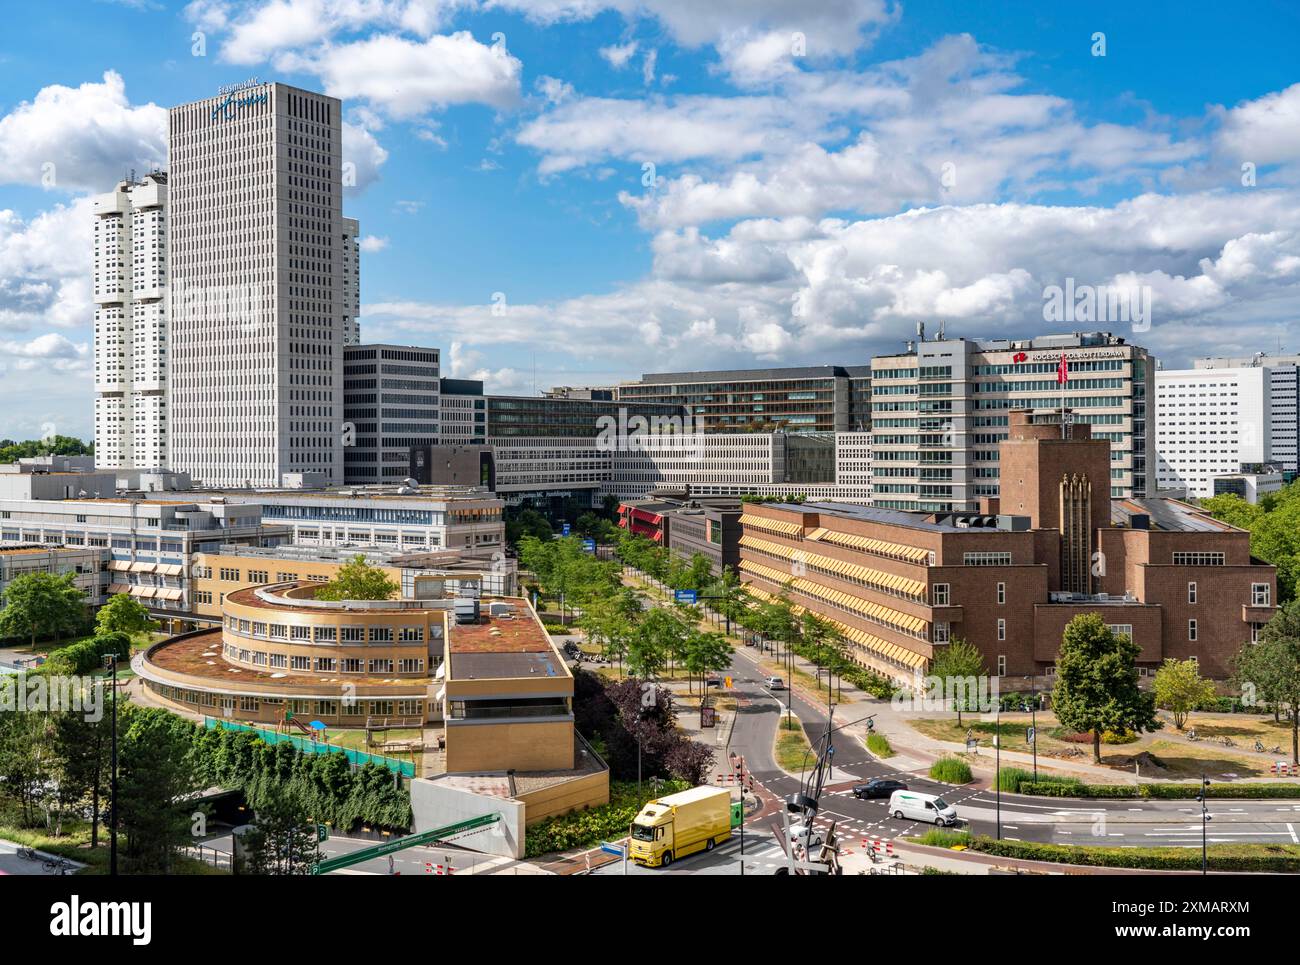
x,y
824,174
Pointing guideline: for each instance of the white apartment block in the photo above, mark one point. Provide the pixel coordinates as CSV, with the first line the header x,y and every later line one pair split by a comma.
x,y
528,466
390,403
351,281
1211,423
257,299
1284,386
130,285
939,411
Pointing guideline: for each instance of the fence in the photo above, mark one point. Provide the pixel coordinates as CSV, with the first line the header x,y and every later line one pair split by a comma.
x,y
357,758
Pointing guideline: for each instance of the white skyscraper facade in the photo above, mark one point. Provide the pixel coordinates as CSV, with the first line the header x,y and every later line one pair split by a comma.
x,y
130,285
1284,404
1211,423
257,298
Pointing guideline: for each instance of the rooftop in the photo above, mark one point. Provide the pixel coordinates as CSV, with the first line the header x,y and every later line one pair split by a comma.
x,y
1169,515
498,648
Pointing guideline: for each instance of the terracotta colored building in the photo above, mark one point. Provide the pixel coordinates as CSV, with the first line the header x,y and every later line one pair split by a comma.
x,y
1009,578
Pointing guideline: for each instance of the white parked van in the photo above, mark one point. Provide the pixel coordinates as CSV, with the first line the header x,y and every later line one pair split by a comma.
x,y
915,806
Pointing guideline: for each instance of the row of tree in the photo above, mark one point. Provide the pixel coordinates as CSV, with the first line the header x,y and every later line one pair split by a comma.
x,y
1274,526
11,451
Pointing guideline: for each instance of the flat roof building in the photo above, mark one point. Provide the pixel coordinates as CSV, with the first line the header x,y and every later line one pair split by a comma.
x,y
1009,576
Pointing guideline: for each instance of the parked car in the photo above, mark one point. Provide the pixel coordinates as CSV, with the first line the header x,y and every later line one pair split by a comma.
x,y
713,682
775,683
877,787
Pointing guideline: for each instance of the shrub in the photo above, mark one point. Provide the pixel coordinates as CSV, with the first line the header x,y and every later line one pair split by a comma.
x,y
1010,778
1062,787
950,770
878,744
1120,737
1221,857
943,838
582,829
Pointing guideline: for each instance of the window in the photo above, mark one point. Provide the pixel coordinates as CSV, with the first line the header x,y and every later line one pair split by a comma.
x,y
412,634
939,594
381,665
326,634
229,575
300,663
1199,559
1191,631
1002,629
1002,663
1260,594
986,559
1002,593
327,664
1254,632
353,665
258,576
381,634
410,665
941,633
1191,592
354,635
300,633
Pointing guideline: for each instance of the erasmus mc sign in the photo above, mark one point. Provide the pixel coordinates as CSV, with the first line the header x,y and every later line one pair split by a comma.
x,y
235,96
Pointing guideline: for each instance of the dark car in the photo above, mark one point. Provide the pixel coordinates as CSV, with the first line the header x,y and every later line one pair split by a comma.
x,y
877,787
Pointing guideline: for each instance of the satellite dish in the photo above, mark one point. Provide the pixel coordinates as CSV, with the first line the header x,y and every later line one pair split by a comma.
x,y
408,481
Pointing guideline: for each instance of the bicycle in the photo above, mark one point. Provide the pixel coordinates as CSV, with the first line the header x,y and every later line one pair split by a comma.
x,y
28,854
1228,742
1259,747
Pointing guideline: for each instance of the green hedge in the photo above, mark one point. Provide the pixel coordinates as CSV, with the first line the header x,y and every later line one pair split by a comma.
x,y
87,655
1010,778
586,829
1273,858
1168,792
950,770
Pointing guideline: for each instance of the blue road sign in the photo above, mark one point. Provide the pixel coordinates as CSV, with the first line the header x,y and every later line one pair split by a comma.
x,y
565,530
686,596
614,849
589,545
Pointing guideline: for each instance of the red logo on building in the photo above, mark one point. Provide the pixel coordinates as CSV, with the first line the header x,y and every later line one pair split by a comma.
x,y
1019,357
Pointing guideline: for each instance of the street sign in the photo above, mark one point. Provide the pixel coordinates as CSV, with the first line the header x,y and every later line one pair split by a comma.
x,y
565,530
589,545
1029,735
614,849
322,833
686,596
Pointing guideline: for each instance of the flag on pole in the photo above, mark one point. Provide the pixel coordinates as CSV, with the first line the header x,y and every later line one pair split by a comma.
x,y
1062,371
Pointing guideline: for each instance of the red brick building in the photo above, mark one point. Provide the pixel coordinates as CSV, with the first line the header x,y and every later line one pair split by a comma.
x,y
1008,579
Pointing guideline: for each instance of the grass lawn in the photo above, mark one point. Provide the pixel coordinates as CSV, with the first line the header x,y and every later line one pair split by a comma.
x,y
1013,730
355,739
792,747
74,843
1183,759
1244,729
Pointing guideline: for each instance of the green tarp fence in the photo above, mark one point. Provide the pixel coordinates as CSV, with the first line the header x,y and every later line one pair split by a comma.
x,y
404,768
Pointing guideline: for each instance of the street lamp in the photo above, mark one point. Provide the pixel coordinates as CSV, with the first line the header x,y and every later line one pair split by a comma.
x,y
1206,818
110,664
997,766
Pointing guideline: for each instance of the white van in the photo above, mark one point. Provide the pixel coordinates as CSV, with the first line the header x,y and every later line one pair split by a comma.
x,y
916,806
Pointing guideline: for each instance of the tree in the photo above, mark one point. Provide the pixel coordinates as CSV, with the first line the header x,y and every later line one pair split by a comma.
x,y
1180,689
282,841
156,782
1274,526
358,580
959,665
123,613
706,653
1096,682
1272,666
40,603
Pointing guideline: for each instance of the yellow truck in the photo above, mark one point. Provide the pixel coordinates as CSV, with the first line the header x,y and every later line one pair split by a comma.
x,y
679,824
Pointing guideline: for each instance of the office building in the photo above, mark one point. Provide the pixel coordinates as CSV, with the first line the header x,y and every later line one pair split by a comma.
x,y
1284,402
939,411
823,398
88,564
1009,577
390,404
351,281
1212,423
130,345
257,305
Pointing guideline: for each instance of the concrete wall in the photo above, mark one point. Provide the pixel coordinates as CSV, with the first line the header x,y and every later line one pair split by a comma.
x,y
588,791
437,803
